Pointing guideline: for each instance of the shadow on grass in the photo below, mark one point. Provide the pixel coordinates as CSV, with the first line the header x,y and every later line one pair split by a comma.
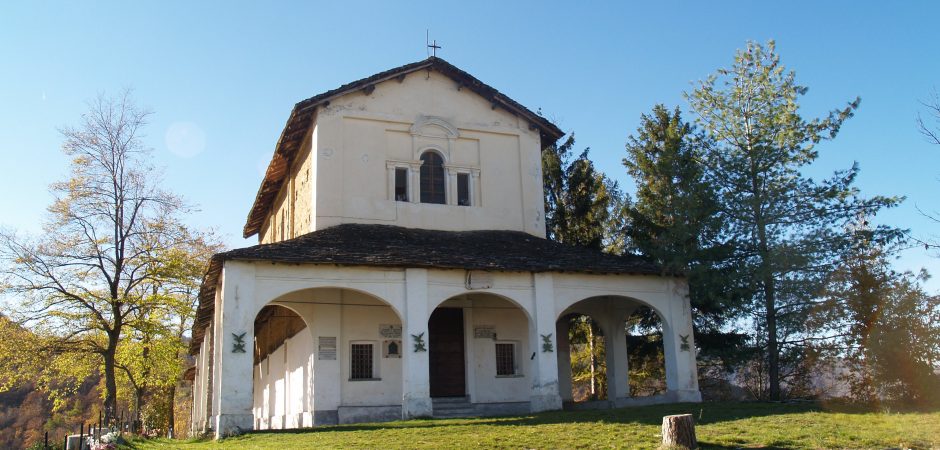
x,y
704,413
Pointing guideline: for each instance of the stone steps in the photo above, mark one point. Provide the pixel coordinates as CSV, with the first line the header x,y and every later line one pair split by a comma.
x,y
452,407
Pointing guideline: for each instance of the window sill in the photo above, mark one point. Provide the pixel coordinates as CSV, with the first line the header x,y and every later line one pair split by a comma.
x,y
365,379
515,375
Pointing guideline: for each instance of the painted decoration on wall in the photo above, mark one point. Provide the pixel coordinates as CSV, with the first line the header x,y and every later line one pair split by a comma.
x,y
390,331
391,348
547,346
326,348
419,342
685,343
239,344
484,332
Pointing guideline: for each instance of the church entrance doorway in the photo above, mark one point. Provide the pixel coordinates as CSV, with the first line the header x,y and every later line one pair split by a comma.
x,y
446,353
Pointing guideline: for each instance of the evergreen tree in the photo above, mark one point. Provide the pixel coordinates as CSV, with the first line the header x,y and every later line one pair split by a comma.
x,y
787,229
579,202
674,219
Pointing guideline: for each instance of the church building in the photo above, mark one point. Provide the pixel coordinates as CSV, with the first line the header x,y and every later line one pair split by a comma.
x,y
402,270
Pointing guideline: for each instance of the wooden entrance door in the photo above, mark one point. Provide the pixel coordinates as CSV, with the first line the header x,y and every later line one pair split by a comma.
x,y
446,353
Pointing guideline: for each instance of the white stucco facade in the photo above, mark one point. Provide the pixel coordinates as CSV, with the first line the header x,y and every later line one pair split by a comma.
x,y
513,350
293,388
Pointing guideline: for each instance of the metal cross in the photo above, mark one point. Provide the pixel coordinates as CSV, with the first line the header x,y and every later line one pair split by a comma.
x,y
433,46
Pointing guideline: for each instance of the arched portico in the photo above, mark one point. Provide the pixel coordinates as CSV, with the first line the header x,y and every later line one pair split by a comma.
x,y
479,347
611,313
351,344
521,309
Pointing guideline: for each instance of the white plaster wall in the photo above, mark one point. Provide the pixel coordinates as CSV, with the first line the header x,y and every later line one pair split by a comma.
x,y
361,323
358,134
511,324
294,381
281,391
344,302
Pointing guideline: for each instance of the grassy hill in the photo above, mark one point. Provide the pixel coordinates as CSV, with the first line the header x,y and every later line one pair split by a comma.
x,y
720,425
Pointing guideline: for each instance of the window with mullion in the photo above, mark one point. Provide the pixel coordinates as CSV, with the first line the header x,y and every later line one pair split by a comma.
x,y
433,178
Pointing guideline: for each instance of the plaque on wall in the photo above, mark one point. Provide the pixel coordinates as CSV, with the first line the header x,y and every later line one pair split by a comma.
x,y
390,331
484,332
391,349
326,349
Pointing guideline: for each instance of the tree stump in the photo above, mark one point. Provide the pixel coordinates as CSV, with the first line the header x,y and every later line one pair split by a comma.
x,y
679,431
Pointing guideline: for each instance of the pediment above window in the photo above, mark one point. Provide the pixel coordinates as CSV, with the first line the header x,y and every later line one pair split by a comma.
x,y
434,127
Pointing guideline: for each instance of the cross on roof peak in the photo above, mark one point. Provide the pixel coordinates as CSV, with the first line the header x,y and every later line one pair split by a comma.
x,y
432,45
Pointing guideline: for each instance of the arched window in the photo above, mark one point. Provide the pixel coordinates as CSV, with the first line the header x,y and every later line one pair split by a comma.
x,y
432,178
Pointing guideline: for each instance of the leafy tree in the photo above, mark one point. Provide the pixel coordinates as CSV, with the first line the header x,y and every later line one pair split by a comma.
x,y
87,279
787,229
588,356
580,202
886,328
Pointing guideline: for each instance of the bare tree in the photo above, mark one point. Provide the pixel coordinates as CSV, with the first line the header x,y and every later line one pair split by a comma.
x,y
85,280
930,128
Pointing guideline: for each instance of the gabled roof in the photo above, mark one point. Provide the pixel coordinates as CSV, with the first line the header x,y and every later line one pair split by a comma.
x,y
301,119
393,246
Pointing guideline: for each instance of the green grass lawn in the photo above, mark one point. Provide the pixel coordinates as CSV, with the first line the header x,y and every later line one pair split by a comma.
x,y
719,425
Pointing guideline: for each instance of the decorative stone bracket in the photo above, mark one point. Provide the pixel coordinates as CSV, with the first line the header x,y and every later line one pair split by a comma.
x,y
547,346
419,342
239,345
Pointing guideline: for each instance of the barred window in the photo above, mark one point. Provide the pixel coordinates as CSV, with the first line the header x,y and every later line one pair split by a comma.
x,y
505,359
361,362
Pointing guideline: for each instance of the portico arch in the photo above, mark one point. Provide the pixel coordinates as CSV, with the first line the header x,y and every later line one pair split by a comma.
x,y
494,346
350,344
611,313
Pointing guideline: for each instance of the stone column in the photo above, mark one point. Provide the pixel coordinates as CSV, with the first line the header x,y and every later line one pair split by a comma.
x,y
416,386
544,396
450,192
475,188
414,182
564,361
679,347
234,351
616,341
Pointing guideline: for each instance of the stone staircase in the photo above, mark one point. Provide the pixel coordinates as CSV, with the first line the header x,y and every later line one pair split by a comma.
x,y
451,407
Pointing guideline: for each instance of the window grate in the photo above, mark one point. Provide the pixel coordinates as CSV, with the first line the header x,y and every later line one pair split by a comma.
x,y
361,356
505,359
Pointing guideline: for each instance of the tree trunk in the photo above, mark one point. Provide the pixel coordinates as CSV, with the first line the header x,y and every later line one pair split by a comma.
x,y
110,380
591,350
171,419
679,431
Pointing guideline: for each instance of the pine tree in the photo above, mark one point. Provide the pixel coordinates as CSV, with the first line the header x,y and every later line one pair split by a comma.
x,y
788,229
579,201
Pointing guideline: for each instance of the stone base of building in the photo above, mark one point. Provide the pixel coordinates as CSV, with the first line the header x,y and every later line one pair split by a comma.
x,y
233,424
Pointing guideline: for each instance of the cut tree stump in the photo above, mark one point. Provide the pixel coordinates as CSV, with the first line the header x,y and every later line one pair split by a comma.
x,y
679,431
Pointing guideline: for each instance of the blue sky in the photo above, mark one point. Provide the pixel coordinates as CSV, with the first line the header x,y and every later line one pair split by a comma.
x,y
221,78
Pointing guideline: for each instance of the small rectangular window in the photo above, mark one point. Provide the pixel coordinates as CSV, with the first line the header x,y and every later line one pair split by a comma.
x,y
361,362
505,359
401,184
463,189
